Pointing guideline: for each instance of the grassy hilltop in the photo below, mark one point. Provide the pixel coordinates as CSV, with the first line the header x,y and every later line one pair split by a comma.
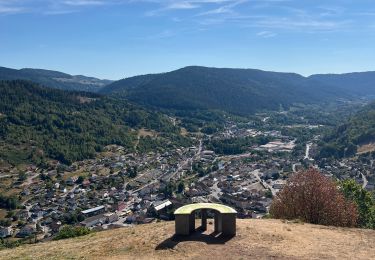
x,y
256,239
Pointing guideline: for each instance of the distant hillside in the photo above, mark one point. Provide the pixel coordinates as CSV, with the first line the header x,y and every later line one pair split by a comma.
x,y
241,91
256,239
54,79
359,83
345,139
38,123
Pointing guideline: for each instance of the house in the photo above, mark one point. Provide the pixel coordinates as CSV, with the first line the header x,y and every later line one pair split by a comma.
x,y
120,206
26,231
25,192
110,217
161,209
95,220
38,214
279,184
52,173
55,226
160,205
22,214
86,183
93,211
5,232
35,208
271,173
71,180
208,153
187,166
130,219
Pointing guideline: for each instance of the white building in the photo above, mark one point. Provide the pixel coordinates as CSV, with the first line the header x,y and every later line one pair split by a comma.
x,y
5,232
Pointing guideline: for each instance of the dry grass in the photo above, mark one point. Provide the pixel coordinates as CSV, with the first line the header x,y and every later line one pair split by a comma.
x,y
3,213
184,132
76,174
366,148
84,100
7,187
256,239
145,132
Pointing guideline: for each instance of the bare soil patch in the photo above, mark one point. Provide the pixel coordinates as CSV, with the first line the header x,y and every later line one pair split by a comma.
x,y
366,148
145,132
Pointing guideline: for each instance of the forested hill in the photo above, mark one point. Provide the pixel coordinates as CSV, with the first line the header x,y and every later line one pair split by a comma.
x,y
344,140
38,123
359,83
241,91
54,79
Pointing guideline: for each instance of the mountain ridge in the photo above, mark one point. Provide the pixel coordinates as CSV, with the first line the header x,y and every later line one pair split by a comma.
x,y
241,91
54,79
233,90
364,82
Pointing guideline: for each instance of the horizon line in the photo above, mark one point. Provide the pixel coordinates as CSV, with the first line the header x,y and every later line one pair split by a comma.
x,y
187,66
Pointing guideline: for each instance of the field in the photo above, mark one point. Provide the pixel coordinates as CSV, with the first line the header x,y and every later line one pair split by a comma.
x,y
366,148
3,213
145,132
256,239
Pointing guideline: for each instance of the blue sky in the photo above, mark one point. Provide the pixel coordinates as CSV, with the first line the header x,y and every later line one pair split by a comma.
x,y
120,38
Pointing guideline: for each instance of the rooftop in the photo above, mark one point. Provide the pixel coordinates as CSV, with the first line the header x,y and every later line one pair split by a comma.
x,y
187,209
162,205
92,210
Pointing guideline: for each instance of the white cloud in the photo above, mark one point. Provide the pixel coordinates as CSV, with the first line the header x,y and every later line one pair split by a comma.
x,y
268,15
170,5
11,7
266,34
51,6
84,2
306,24
182,5
10,10
228,8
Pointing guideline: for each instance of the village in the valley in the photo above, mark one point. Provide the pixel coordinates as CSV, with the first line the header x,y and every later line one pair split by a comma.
x,y
119,188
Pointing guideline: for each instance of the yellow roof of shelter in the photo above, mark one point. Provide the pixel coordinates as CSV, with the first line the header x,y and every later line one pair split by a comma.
x,y
188,209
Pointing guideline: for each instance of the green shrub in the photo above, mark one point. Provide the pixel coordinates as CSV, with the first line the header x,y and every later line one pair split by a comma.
x,y
71,231
4,243
363,199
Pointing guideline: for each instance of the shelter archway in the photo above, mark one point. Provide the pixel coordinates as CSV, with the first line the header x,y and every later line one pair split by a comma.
x,y
225,218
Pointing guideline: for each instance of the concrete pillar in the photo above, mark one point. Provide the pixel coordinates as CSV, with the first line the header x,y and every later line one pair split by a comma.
x,y
192,222
204,219
218,222
182,225
229,224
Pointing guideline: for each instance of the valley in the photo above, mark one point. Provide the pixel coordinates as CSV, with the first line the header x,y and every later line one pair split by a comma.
x,y
239,161
124,122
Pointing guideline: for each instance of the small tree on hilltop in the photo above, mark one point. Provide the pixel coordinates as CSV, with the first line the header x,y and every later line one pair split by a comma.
x,y
316,199
364,200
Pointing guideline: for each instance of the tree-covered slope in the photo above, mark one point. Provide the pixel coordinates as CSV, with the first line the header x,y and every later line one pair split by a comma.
x,y
54,79
343,140
38,123
241,91
359,83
